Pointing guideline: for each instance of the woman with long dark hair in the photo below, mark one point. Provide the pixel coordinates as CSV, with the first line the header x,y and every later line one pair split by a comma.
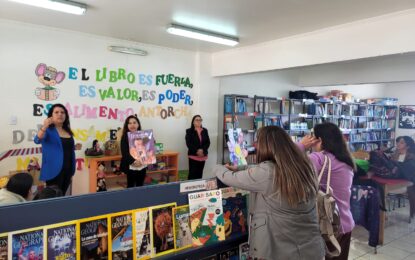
x,y
58,148
135,169
328,141
282,202
198,142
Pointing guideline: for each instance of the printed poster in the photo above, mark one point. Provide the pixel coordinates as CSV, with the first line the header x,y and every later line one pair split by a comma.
x,y
206,217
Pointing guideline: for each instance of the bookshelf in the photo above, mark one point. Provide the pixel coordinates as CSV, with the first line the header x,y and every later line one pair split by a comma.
x,y
365,126
170,171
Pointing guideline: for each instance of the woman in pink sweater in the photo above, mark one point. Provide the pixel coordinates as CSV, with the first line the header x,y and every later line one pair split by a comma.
x,y
328,140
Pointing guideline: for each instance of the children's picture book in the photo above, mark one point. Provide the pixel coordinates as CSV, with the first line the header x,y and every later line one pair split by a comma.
x,y
231,254
235,211
162,228
61,241
27,245
182,233
206,217
122,236
4,247
94,238
236,147
142,233
142,146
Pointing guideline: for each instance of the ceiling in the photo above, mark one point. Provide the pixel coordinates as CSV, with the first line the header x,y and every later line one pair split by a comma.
x,y
253,21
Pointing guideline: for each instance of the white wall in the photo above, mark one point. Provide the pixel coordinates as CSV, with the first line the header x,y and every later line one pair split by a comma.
x,y
24,46
373,37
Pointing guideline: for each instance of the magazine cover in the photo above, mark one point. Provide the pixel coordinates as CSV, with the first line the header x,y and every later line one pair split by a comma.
x,y
122,236
142,146
94,238
182,233
61,242
27,245
235,211
142,233
206,217
4,244
236,147
162,229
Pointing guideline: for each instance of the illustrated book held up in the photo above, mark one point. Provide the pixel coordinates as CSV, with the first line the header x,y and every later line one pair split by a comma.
x,y
27,245
142,146
182,233
142,233
61,242
236,146
206,217
94,238
122,236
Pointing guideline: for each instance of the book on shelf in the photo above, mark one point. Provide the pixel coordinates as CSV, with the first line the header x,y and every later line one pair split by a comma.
x,y
162,228
182,232
235,211
206,217
27,244
142,146
236,147
122,236
142,232
4,246
94,238
61,241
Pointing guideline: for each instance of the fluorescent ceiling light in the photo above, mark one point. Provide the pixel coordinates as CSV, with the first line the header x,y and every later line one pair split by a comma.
x,y
128,50
202,35
57,5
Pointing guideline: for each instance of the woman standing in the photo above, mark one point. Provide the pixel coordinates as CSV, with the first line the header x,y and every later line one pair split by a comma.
x,y
328,141
198,142
58,148
135,169
282,203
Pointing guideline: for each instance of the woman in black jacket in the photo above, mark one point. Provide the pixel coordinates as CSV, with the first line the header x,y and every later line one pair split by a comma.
x,y
198,142
135,169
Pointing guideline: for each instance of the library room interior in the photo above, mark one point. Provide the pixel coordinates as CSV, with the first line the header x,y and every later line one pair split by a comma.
x,y
207,129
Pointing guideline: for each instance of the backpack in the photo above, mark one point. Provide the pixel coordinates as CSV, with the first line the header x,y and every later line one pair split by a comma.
x,y
328,214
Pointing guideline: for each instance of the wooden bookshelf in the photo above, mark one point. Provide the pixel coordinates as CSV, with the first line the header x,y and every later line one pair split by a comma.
x,y
171,170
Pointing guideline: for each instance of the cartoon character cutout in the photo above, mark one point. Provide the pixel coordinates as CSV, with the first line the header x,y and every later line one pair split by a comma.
x,y
49,77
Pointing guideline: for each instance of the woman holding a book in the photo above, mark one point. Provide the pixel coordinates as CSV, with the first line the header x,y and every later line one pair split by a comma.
x,y
282,204
198,142
134,168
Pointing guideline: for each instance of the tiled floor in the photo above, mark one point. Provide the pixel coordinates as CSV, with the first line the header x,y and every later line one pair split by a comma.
x,y
399,242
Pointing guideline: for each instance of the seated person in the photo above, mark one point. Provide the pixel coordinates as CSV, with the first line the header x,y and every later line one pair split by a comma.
x,y
18,189
52,191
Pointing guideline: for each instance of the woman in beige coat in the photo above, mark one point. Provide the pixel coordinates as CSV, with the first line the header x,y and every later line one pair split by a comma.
x,y
283,220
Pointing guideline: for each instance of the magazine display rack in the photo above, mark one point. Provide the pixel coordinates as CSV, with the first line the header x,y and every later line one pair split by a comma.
x,y
167,166
102,205
365,126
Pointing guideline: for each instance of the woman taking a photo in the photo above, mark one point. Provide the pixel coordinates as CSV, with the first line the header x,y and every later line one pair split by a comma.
x,y
58,148
328,141
282,204
198,142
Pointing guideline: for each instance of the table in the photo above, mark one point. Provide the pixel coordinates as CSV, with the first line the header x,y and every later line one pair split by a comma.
x,y
386,184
